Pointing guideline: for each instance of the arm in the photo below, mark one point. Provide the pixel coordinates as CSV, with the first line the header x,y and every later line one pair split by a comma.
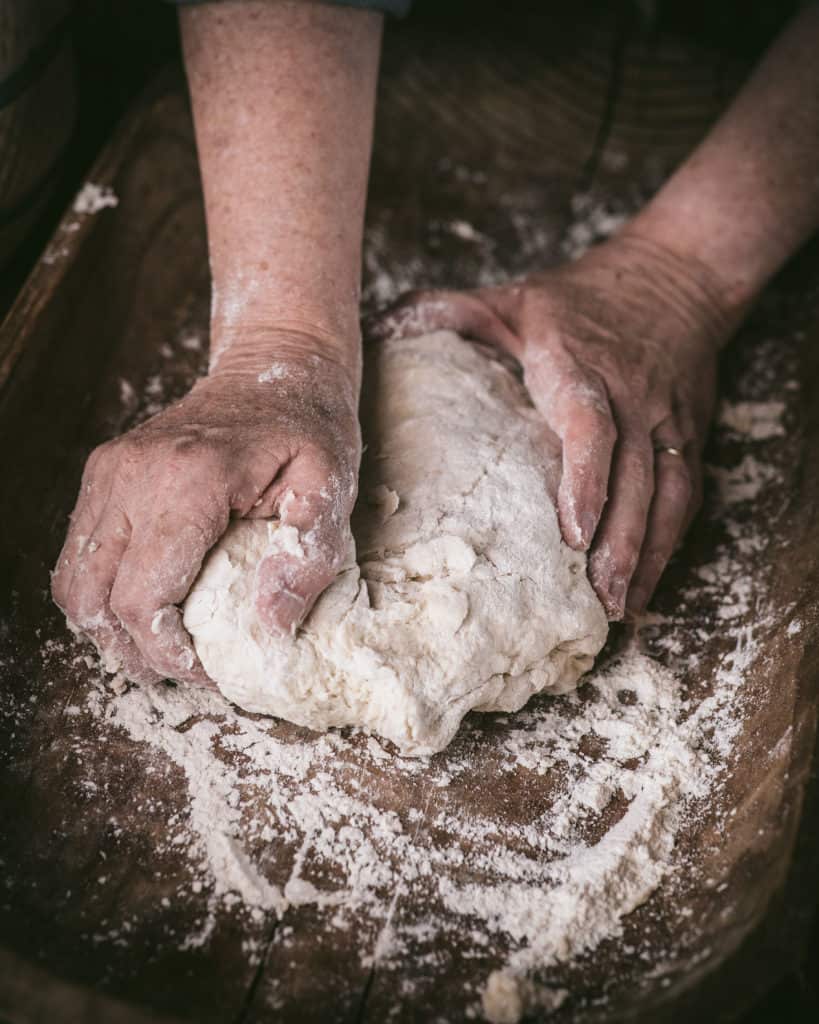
x,y
748,196
283,97
619,349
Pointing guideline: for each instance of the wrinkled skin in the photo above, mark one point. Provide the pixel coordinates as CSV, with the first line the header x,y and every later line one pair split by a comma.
x,y
619,355
154,501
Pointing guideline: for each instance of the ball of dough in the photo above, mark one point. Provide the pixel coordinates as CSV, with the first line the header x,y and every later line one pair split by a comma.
x,y
463,595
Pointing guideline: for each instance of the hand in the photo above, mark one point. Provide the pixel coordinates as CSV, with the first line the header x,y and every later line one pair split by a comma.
x,y
619,355
280,439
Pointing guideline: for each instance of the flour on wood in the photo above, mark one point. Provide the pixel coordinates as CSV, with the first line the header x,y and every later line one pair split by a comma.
x,y
462,596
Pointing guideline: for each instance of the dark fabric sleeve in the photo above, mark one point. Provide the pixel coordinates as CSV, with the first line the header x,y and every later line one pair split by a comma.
x,y
397,7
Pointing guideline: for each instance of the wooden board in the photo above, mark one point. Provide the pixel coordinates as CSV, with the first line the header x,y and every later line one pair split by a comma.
x,y
481,145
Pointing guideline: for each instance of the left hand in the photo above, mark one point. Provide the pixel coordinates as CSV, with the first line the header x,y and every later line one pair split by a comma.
x,y
619,355
242,443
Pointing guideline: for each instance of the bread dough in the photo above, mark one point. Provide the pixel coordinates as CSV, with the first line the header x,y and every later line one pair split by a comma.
x,y
464,596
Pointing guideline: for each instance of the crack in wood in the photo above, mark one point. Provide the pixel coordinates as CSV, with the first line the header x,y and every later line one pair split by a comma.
x,y
243,1016
368,984
620,41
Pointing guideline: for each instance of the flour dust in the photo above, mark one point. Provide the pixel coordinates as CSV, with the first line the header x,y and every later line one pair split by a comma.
x,y
629,760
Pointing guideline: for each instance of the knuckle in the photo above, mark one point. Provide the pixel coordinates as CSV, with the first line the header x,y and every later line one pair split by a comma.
x,y
605,428
103,452
586,395
72,597
594,386
126,455
128,445
127,608
93,462
85,609
60,588
590,403
207,523
200,447
97,460
679,486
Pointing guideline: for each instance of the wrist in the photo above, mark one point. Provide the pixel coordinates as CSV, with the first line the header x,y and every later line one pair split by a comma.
x,y
682,285
261,350
719,286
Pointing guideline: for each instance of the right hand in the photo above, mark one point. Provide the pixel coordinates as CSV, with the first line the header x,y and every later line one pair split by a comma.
x,y
153,503
619,355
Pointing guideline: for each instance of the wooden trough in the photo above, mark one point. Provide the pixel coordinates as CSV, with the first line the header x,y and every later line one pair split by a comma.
x,y
493,156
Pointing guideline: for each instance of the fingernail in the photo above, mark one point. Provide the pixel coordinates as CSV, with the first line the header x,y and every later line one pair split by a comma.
x,y
617,598
638,599
285,612
588,524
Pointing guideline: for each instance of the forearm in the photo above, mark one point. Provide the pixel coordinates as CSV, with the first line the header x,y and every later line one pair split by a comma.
x,y
748,196
283,96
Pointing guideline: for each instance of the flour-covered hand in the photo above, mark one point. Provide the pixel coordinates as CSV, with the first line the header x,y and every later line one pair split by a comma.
x,y
280,439
619,355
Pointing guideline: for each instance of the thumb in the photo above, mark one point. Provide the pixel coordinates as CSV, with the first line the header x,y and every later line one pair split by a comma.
x,y
306,554
472,314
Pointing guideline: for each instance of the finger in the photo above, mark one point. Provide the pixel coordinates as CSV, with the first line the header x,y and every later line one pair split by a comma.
x,y
669,508
308,548
574,402
619,539
692,433
586,428
83,592
470,314
87,513
694,463
157,570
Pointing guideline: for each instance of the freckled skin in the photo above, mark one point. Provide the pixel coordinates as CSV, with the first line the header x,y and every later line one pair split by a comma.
x,y
618,350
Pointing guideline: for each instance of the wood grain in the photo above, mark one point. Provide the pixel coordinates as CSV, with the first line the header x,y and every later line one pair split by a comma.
x,y
496,133
37,117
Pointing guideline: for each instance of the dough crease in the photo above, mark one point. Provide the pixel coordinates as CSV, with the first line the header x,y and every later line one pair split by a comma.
x,y
466,597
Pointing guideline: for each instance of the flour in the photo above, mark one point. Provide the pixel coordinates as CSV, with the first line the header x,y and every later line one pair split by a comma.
x,y
92,198
276,371
275,819
758,421
746,480
594,219
550,892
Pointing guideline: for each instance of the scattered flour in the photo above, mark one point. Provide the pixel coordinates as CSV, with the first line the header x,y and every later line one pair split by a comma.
x,y
544,889
534,894
745,481
92,198
277,371
758,421
594,219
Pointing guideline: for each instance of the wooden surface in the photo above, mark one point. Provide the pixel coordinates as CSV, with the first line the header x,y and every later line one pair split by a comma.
x,y
497,133
37,112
